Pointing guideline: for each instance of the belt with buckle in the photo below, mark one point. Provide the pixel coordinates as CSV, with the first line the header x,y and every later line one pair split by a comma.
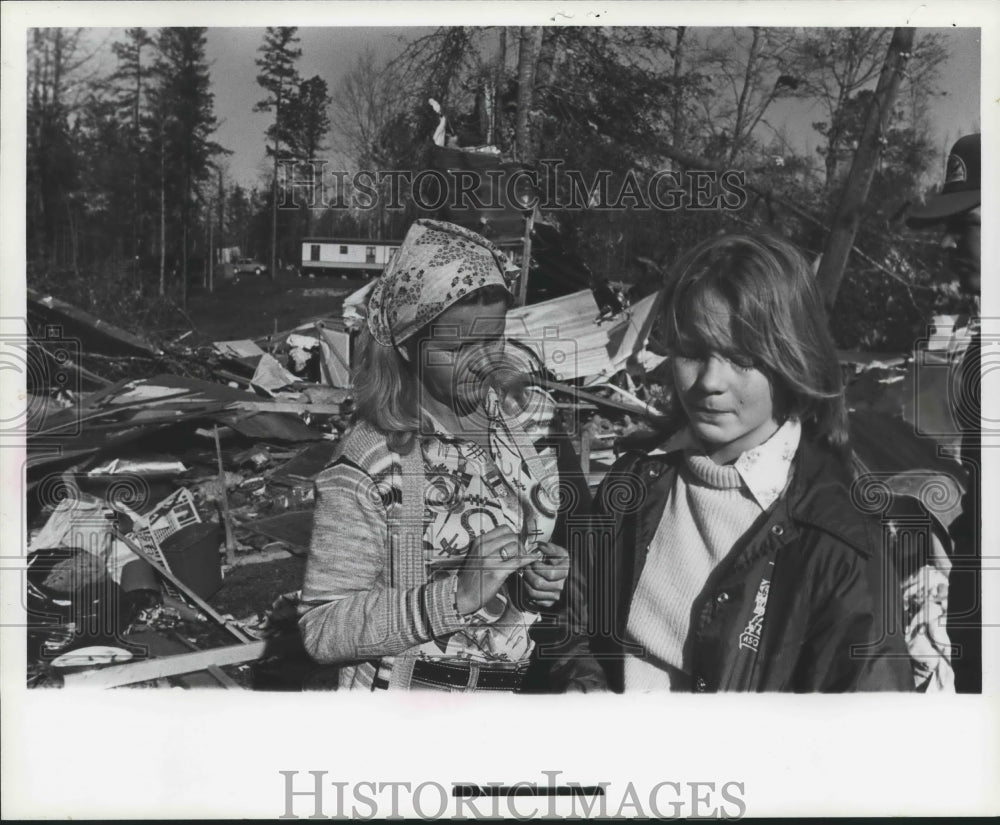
x,y
466,675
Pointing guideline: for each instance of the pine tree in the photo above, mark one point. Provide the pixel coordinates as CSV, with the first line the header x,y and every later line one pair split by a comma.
x,y
131,78
305,131
184,106
56,86
279,78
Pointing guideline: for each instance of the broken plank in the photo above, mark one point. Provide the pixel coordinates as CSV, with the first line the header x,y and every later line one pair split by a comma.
x,y
210,389
270,426
133,672
232,376
75,417
97,333
287,406
223,678
94,398
214,671
244,348
224,493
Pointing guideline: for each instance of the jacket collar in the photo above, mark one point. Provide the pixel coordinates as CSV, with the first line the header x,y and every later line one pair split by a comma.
x,y
819,493
820,496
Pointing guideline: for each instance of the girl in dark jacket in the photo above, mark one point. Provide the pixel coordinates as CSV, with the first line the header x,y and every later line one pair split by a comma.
x,y
732,556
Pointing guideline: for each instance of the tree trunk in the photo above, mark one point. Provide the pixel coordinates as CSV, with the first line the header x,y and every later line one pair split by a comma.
x,y
209,258
499,75
136,137
548,58
274,215
676,125
222,211
741,107
834,141
274,186
531,43
74,240
546,72
848,214
163,230
184,262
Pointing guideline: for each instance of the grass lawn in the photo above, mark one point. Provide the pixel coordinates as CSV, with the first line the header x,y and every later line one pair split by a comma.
x,y
257,306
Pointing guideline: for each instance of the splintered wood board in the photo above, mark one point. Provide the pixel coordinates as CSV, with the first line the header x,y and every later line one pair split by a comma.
x,y
133,672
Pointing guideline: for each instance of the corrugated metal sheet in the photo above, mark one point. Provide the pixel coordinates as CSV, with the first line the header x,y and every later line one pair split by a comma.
x,y
572,340
565,334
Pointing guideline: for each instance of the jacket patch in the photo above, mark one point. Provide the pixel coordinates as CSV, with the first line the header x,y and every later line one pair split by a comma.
x,y
750,637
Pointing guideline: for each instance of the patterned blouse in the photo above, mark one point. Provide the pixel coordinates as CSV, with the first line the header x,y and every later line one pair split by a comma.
x,y
349,598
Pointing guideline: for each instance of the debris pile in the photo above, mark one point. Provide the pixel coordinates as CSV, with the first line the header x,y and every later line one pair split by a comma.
x,y
145,496
148,495
169,516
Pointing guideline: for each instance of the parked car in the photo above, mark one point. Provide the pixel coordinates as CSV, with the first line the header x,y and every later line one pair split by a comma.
x,y
248,266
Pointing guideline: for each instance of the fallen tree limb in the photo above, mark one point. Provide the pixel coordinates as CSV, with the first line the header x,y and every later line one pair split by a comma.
x,y
769,194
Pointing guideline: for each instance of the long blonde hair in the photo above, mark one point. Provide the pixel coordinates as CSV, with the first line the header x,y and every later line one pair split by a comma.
x,y
386,385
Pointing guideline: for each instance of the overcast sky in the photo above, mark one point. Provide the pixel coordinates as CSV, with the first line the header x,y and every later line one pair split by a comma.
x,y
327,52
330,52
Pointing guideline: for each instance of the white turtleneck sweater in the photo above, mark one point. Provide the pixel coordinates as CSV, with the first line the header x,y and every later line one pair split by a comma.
x,y
708,509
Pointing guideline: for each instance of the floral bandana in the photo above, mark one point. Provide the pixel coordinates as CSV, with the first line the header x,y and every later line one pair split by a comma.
x,y
437,264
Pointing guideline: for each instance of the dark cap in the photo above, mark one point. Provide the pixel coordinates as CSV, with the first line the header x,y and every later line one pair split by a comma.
x,y
960,192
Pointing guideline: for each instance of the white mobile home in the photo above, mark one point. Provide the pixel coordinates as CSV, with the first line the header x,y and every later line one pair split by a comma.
x,y
346,256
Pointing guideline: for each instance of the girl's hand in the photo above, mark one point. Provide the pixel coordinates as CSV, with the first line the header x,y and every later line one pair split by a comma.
x,y
492,557
544,579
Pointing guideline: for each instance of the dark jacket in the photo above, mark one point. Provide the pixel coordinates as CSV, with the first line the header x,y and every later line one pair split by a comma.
x,y
806,600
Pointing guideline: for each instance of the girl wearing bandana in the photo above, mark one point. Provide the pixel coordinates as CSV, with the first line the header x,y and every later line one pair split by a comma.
x,y
432,557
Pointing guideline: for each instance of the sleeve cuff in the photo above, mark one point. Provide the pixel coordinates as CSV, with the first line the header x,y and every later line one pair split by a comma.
x,y
442,616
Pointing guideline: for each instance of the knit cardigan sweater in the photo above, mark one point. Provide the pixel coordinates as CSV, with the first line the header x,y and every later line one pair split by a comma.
x,y
371,608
